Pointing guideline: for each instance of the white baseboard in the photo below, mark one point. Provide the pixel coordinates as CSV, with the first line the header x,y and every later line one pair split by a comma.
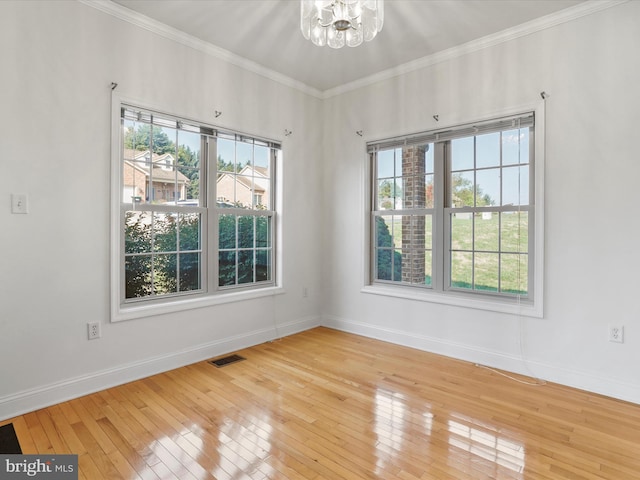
x,y
40,397
572,378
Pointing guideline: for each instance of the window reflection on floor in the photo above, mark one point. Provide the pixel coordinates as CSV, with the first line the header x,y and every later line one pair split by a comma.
x,y
393,420
487,445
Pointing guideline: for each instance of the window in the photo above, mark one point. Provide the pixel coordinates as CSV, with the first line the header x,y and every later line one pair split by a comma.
x,y
175,241
453,211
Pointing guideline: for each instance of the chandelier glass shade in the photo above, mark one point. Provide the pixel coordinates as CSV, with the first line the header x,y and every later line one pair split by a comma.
x,y
337,23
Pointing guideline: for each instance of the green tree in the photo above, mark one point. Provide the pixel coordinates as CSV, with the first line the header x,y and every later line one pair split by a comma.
x,y
230,166
153,272
387,191
464,192
387,269
190,159
140,139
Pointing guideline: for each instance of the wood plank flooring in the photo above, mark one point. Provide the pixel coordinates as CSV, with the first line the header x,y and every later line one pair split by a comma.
x,y
328,405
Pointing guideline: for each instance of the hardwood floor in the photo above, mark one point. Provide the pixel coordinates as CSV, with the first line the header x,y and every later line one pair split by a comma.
x,y
328,405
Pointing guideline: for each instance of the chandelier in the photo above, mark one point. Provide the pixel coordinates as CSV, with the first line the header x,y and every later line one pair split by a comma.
x,y
341,22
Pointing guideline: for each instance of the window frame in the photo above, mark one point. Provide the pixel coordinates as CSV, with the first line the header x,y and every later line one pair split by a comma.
x,y
210,292
515,304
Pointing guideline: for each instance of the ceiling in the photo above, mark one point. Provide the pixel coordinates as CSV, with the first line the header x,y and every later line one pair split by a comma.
x,y
267,32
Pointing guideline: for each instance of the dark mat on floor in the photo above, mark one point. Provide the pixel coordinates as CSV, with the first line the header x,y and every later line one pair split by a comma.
x,y
9,441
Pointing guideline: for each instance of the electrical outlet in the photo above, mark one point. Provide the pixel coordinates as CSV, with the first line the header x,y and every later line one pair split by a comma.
x,y
93,330
19,203
616,333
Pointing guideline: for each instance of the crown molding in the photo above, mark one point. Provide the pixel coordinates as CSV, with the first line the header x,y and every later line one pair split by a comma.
x,y
548,21
142,21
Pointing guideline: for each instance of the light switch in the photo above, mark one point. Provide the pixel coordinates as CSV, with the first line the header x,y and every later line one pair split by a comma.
x,y
19,203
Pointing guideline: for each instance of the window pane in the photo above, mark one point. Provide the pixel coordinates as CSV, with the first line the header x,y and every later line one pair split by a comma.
x,y
428,191
189,186
263,232
400,188
134,181
167,183
262,192
137,232
487,231
261,160
462,154
163,141
514,235
428,158
263,265
462,231
245,232
135,135
137,276
189,271
384,231
461,269
386,194
397,155
413,247
226,189
414,192
226,268
488,187
244,189
384,264
164,273
416,266
428,232
190,231
226,155
165,232
385,159
137,160
514,274
188,163
515,146
488,150
428,266
397,265
189,144
462,186
515,185
226,231
245,266
244,156
486,271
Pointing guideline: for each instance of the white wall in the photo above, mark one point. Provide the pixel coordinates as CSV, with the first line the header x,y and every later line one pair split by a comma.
x,y
58,60
590,67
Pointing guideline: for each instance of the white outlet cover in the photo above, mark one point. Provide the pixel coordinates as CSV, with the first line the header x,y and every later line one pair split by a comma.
x,y
19,203
616,333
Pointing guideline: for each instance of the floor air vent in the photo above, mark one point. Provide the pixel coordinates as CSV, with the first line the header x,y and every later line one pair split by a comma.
x,y
221,362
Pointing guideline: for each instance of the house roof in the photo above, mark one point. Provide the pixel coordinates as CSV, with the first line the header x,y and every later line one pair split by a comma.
x,y
138,159
246,181
242,180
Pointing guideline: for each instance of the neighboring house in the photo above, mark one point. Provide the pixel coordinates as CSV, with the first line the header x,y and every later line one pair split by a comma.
x,y
144,175
245,188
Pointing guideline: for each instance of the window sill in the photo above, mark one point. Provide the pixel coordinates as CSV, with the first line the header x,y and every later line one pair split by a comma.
x,y
130,312
457,300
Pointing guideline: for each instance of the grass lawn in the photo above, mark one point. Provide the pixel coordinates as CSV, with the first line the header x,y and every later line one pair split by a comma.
x,y
489,252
